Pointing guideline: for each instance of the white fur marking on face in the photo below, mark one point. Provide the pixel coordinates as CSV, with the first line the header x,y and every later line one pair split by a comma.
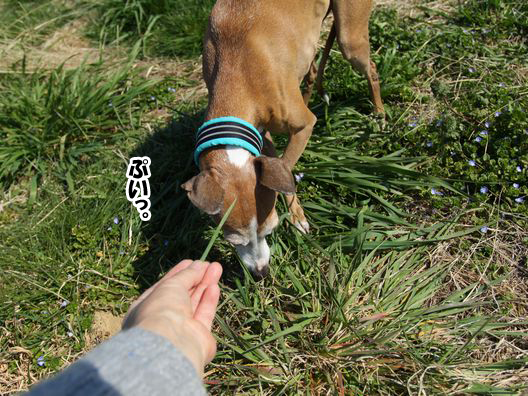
x,y
237,156
256,254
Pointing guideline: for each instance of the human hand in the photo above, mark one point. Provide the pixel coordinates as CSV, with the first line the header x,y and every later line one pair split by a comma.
x,y
181,307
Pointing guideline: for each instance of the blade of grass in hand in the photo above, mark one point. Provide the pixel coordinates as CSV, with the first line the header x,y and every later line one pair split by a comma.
x,y
217,231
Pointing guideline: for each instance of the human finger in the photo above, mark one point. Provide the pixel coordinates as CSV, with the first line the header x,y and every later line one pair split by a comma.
x,y
196,295
212,276
177,268
206,309
191,276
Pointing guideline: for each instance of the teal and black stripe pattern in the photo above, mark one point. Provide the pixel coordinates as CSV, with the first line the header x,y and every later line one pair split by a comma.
x,y
231,131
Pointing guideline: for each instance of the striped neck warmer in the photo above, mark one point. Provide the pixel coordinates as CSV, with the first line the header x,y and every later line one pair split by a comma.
x,y
231,131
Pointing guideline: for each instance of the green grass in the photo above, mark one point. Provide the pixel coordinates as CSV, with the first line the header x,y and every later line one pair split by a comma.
x,y
173,27
61,116
395,291
29,21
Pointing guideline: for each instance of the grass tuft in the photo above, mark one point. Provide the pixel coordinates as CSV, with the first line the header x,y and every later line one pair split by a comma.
x,y
172,27
65,116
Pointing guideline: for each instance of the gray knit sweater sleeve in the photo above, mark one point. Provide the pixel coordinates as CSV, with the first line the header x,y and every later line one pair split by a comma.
x,y
134,362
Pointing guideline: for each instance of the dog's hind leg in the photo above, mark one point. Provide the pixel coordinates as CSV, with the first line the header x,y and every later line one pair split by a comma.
x,y
309,80
315,74
351,20
322,64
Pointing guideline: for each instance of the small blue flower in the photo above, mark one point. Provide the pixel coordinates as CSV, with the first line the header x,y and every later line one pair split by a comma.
x,y
64,303
429,144
465,31
516,185
472,163
518,168
478,139
434,191
152,98
116,220
69,334
484,229
484,132
109,228
487,124
484,190
40,361
502,85
121,252
412,124
439,122
497,114
165,243
299,177
519,199
452,153
170,89
471,70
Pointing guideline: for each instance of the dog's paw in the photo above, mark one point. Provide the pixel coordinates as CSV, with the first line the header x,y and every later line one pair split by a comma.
x,y
297,217
302,226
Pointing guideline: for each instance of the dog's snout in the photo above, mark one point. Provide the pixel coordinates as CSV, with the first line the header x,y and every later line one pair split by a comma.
x,y
256,256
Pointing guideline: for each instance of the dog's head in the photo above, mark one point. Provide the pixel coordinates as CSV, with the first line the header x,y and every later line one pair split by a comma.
x,y
232,174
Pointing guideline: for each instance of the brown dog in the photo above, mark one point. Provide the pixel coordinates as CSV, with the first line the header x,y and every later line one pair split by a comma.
x,y
256,53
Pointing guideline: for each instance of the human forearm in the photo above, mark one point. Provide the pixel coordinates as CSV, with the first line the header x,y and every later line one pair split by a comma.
x,y
134,362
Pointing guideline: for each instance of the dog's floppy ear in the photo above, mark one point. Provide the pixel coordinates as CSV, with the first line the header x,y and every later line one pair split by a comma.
x,y
205,192
274,174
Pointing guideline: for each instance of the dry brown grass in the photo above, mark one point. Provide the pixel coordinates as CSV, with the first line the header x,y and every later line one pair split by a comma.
x,y
507,259
65,46
411,7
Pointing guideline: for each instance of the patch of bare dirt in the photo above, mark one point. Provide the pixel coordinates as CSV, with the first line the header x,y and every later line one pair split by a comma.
x,y
104,325
64,46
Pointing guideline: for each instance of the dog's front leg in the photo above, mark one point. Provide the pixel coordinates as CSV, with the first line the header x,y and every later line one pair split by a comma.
x,y
299,135
294,206
296,146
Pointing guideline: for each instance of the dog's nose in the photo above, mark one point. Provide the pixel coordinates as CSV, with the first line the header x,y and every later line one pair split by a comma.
x,y
260,274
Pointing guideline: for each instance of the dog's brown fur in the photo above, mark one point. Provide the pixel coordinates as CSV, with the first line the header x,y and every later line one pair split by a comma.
x,y
256,53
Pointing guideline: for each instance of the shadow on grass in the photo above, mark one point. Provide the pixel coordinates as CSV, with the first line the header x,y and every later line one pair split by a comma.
x,y
177,230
